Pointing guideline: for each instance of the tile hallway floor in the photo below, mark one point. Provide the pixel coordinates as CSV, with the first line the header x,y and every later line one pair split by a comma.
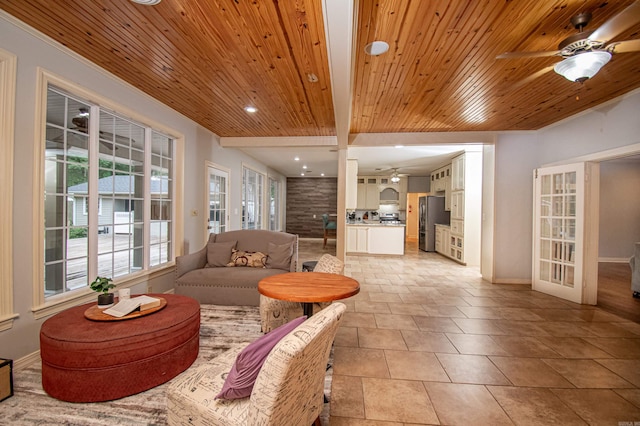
x,y
426,341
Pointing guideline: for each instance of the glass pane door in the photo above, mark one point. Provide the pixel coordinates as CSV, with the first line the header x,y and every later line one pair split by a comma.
x,y
558,231
218,215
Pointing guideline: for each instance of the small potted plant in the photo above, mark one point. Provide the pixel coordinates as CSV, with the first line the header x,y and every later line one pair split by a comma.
x,y
102,285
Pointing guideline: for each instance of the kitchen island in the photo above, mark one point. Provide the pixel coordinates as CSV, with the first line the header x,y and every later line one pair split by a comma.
x,y
374,237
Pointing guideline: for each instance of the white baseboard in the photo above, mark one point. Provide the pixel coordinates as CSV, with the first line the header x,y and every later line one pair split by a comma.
x,y
518,281
614,259
26,361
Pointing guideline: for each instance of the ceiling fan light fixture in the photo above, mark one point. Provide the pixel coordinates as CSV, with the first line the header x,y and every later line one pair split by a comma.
x,y
376,48
395,179
582,66
147,2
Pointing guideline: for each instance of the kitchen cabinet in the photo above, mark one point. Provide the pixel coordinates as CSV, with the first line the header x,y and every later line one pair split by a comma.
x,y
368,197
386,240
375,239
357,239
466,208
442,239
457,173
373,194
439,178
441,182
457,205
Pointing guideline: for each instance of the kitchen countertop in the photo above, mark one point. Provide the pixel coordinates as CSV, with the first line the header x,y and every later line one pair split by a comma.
x,y
372,223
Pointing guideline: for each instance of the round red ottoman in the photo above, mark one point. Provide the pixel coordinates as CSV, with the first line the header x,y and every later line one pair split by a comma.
x,y
90,361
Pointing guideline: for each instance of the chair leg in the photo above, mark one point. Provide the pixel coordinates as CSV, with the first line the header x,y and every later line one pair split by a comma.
x,y
325,239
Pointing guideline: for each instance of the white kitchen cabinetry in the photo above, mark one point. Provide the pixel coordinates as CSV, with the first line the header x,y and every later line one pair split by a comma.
x,y
357,239
362,193
466,208
439,178
457,205
441,182
368,197
442,239
457,173
386,240
373,194
404,187
375,239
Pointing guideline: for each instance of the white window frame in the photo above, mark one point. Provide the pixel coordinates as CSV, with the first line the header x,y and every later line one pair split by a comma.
x,y
278,221
85,206
261,208
8,66
42,306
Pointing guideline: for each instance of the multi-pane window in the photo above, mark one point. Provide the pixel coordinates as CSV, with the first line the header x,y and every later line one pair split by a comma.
x,y
108,194
274,202
252,198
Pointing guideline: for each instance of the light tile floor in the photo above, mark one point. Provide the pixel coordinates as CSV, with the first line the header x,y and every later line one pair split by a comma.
x,y
426,341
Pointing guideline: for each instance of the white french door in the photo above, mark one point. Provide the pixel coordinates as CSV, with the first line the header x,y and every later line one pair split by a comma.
x,y
218,199
563,252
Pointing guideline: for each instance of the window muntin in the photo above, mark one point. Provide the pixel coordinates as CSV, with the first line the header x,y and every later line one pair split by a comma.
x,y
129,177
252,198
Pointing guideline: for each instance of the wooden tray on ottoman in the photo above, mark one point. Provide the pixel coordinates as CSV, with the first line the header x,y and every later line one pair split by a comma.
x,y
97,314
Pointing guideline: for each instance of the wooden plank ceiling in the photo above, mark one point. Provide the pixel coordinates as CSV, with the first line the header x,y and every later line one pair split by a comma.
x,y
208,59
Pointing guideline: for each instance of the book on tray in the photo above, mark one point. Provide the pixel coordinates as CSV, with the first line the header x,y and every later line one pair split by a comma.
x,y
127,306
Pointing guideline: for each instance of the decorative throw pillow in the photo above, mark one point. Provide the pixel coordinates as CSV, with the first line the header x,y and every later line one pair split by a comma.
x,y
219,254
253,259
279,256
244,372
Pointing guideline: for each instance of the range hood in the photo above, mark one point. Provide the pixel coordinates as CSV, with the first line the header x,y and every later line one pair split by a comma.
x,y
389,196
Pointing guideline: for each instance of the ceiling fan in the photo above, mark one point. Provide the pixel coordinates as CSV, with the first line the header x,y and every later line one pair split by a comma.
x,y
586,52
81,121
395,176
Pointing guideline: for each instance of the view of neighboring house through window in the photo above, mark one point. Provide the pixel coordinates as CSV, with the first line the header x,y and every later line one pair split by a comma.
x,y
274,202
252,198
108,187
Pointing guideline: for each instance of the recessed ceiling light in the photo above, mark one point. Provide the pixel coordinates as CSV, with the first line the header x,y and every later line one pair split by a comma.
x,y
399,146
376,48
147,2
321,174
301,174
251,109
296,159
304,167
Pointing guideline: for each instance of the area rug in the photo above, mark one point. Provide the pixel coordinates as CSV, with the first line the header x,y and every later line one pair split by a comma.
x,y
221,327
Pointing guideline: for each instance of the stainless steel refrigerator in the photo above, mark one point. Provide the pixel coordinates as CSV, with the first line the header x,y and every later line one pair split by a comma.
x,y
430,211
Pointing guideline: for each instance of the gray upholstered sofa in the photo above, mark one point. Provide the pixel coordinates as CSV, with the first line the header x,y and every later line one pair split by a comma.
x,y
205,276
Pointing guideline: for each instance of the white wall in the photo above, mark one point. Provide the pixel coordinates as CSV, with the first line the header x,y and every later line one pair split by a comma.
x,y
516,155
619,209
613,125
200,146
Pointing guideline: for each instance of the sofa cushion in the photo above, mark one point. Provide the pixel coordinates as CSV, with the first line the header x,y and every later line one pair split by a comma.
x,y
244,372
227,277
279,256
219,254
252,259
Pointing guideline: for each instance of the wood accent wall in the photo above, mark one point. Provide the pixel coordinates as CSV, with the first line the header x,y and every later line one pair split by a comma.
x,y
306,197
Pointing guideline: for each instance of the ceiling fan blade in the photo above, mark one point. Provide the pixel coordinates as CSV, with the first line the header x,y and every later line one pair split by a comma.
x,y
542,54
531,77
624,46
618,23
